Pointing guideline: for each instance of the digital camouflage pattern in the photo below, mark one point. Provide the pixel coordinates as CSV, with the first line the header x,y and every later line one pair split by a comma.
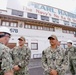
x,y
5,59
72,59
54,59
21,56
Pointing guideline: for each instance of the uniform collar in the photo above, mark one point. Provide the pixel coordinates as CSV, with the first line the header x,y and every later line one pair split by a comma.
x,y
55,50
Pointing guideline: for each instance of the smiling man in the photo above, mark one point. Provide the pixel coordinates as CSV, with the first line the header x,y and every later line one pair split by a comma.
x,y
21,56
53,58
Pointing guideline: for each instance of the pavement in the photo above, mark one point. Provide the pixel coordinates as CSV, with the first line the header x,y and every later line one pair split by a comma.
x,y
35,63
36,71
35,67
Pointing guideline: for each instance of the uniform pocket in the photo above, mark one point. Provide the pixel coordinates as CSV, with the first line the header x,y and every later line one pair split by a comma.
x,y
59,61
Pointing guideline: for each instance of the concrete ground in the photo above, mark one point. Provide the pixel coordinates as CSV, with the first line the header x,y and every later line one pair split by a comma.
x,y
34,63
35,67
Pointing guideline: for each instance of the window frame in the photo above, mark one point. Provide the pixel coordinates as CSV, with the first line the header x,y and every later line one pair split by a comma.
x,y
17,12
26,44
33,46
45,18
55,20
66,23
32,15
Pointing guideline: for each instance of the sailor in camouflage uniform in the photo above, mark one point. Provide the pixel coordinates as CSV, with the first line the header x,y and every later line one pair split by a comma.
x,y
21,56
53,61
71,52
5,57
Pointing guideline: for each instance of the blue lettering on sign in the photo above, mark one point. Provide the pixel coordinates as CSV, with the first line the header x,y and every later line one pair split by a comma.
x,y
40,6
51,9
64,13
14,30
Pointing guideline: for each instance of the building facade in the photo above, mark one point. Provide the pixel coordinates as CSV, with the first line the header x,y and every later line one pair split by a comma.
x,y
36,22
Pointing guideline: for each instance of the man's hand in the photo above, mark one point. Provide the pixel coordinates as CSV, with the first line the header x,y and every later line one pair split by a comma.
x,y
9,73
53,72
16,68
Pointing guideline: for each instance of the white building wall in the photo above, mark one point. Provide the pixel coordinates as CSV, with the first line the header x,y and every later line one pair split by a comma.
x,y
38,36
31,35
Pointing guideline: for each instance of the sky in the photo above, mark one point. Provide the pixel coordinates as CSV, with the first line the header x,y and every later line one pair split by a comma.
x,y
3,4
67,5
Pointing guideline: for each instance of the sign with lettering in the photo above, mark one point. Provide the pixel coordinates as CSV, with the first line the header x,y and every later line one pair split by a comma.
x,y
45,10
13,30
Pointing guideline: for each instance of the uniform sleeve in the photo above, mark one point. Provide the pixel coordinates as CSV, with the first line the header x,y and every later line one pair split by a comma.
x,y
72,61
6,60
63,66
25,60
44,63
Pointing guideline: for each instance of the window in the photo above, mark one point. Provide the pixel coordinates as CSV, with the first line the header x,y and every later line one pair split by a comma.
x,y
44,18
40,28
34,27
17,13
71,32
5,23
34,46
26,44
31,15
74,34
63,45
73,24
52,29
13,24
74,44
46,28
9,23
64,31
66,23
68,31
55,20
27,26
37,55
